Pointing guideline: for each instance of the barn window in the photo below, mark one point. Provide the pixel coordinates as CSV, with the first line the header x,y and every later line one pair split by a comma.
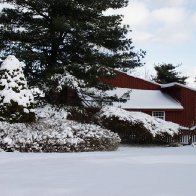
x,y
159,114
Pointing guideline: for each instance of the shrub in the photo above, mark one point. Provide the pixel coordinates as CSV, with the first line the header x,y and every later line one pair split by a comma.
x,y
16,100
81,114
136,126
128,131
56,136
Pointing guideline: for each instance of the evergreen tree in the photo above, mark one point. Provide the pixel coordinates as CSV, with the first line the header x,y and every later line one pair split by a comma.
x,y
166,73
16,100
69,37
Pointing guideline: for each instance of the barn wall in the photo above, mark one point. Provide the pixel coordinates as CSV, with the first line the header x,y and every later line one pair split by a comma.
x,y
185,117
122,80
187,98
170,115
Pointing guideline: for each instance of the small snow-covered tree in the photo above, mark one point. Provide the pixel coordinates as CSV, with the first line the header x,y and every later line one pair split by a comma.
x,y
16,100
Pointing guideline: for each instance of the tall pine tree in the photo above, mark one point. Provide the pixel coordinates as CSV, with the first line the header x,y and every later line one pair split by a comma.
x,y
166,73
69,37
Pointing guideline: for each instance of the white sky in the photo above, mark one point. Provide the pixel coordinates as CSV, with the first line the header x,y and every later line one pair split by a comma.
x,y
166,29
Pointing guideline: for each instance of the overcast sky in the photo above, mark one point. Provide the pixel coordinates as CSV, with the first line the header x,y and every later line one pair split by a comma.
x,y
166,29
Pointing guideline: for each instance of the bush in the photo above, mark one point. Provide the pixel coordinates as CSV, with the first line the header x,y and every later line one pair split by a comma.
x,y
56,136
128,131
136,127
81,114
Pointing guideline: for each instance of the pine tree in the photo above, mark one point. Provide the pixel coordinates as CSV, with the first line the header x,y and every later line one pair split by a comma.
x,y
69,37
16,100
166,73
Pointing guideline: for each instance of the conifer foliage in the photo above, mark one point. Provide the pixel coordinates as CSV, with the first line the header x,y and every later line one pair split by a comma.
x,y
69,37
166,73
16,100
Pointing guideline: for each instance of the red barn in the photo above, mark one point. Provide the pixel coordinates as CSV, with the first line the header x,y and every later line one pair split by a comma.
x,y
172,102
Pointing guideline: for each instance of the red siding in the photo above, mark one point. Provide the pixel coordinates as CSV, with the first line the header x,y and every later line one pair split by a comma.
x,y
170,115
125,81
187,97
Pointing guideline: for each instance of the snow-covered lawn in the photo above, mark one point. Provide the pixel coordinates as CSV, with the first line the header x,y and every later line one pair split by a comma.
x,y
129,171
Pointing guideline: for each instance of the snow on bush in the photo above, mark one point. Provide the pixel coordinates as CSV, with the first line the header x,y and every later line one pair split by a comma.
x,y
54,133
68,80
16,100
119,120
38,95
51,112
56,136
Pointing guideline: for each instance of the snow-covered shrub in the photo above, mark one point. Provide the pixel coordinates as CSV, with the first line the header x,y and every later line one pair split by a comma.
x,y
16,100
140,125
79,114
39,95
48,111
56,136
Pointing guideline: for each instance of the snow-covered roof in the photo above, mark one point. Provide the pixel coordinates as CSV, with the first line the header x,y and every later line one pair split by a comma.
x,y
144,99
176,84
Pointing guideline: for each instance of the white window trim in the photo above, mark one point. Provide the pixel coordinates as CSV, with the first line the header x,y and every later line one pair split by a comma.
x,y
153,112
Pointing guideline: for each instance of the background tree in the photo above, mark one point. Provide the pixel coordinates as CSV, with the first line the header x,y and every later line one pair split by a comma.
x,y
67,37
166,73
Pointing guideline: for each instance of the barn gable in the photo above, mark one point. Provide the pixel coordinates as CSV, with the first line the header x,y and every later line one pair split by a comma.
x,y
123,80
176,102
187,97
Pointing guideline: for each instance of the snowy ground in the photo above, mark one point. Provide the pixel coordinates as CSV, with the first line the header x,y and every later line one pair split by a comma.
x,y
130,171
